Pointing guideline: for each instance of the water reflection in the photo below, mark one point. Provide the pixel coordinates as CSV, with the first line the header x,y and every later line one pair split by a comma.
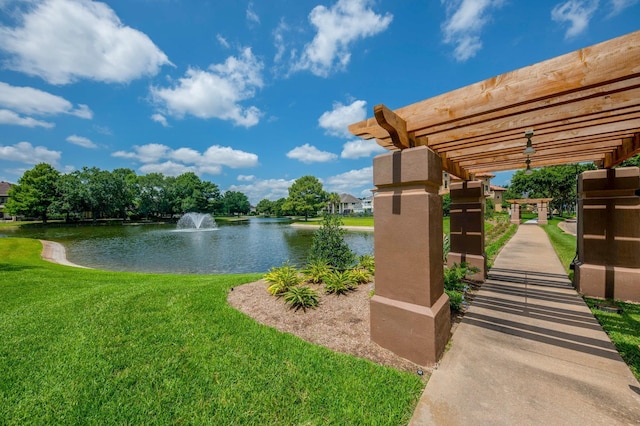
x,y
252,246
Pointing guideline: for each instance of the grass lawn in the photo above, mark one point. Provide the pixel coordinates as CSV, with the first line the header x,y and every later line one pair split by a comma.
x,y
564,244
86,346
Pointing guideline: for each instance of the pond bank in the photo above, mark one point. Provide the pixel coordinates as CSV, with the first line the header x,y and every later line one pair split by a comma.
x,y
55,253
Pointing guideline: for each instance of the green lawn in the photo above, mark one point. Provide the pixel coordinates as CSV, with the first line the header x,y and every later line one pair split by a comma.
x,y
93,347
564,244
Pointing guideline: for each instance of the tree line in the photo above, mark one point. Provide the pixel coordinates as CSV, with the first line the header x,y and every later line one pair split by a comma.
x,y
43,192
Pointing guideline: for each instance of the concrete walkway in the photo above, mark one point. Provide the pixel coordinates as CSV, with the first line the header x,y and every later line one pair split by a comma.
x,y
529,352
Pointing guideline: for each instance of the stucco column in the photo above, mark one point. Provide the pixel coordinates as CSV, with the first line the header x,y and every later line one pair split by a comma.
x,y
467,227
543,210
515,213
409,311
609,234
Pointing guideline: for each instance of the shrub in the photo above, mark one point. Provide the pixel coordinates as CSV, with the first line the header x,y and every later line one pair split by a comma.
x,y
329,245
360,276
316,270
282,278
301,297
366,261
339,282
456,299
454,284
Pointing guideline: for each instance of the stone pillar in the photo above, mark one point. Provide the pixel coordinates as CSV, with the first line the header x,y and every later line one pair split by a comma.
x,y
609,234
467,227
543,210
515,213
409,311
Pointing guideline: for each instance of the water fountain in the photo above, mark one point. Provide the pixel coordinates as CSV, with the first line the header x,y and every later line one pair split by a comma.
x,y
197,221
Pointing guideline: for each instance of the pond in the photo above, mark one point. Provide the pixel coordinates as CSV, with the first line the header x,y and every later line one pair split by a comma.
x,y
234,247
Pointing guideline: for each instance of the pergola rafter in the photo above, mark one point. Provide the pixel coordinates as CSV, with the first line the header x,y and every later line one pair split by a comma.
x,y
582,106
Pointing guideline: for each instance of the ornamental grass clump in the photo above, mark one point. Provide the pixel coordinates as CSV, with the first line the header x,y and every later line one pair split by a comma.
x,y
316,270
366,261
360,276
339,282
301,297
282,278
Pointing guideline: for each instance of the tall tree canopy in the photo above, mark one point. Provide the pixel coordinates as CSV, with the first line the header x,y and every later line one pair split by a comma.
x,y
306,197
35,193
236,202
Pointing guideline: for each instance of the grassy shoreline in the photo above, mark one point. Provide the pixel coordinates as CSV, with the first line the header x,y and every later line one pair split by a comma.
x,y
88,346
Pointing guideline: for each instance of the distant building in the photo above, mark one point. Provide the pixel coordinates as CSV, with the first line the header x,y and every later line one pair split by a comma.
x,y
349,204
496,193
367,205
4,197
498,196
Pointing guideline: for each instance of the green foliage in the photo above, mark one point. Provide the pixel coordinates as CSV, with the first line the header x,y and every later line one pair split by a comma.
x,y
236,202
454,284
316,270
301,297
306,197
282,278
265,207
82,346
35,193
631,162
367,261
329,245
360,276
446,204
489,208
564,244
339,282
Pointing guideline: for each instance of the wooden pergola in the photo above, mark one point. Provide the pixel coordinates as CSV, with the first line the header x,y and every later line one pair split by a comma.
x,y
582,106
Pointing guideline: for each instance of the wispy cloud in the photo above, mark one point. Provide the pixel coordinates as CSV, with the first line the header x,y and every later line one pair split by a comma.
x,y
464,24
258,189
252,16
577,13
353,181
11,118
81,141
360,148
63,41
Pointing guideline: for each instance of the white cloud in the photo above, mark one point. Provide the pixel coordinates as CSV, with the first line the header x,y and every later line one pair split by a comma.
x,y
62,41
30,101
336,121
338,28
246,178
159,118
223,41
168,168
465,20
360,148
352,181
280,45
252,16
216,93
209,162
577,13
619,5
10,117
271,189
24,152
310,154
81,141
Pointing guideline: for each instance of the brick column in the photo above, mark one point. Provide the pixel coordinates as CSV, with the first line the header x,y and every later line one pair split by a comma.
x,y
467,227
409,311
515,213
609,234
543,210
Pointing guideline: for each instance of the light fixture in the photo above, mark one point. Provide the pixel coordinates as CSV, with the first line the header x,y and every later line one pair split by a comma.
x,y
529,149
528,171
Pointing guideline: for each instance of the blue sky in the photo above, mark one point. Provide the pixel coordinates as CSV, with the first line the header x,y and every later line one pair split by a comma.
x,y
252,95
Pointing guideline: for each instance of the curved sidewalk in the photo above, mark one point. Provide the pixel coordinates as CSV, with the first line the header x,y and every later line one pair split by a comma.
x,y
529,352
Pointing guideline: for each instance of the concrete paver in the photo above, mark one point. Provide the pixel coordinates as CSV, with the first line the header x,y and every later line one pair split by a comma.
x,y
529,351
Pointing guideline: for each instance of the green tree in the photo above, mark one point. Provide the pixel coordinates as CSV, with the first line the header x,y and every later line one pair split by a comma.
x,y
306,197
123,192
329,245
278,207
71,198
446,204
333,202
265,207
631,162
35,193
236,202
152,195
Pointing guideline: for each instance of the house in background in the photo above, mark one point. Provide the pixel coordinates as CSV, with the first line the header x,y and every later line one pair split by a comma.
x,y
349,204
494,192
498,196
367,205
4,197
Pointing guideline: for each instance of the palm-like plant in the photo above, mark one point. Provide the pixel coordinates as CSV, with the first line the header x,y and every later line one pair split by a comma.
x,y
282,278
301,297
339,282
316,270
366,261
